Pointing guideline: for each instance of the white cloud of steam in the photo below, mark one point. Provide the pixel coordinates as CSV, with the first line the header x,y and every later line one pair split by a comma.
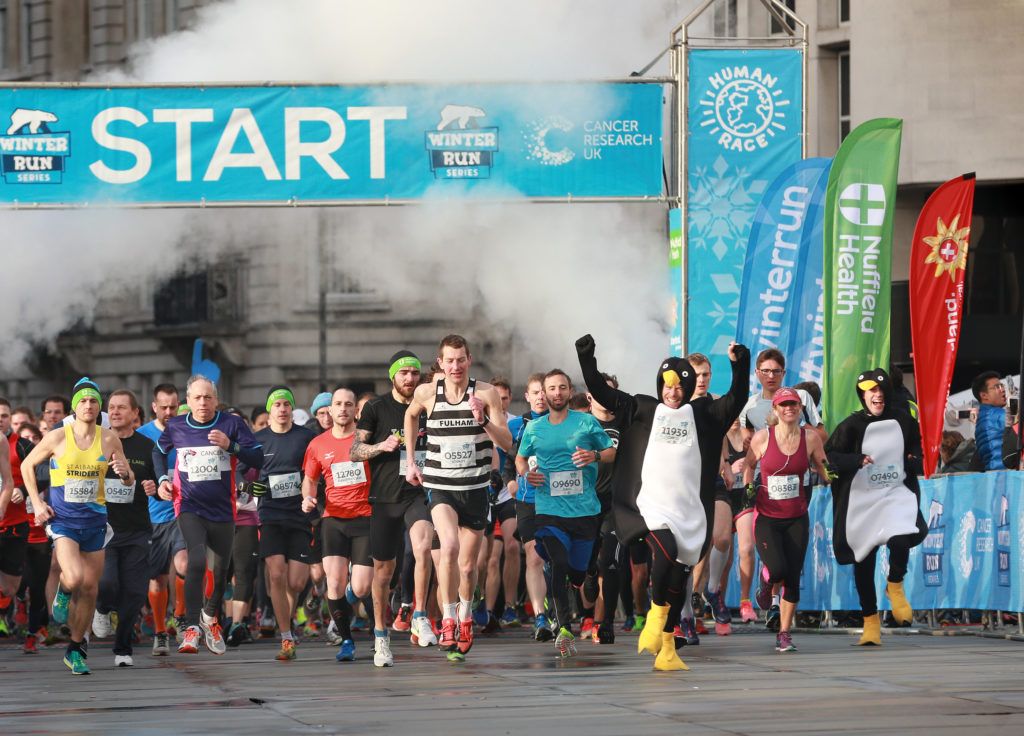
x,y
590,268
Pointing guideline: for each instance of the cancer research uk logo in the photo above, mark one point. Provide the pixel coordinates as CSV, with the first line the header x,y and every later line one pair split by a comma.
x,y
30,153
458,147
743,108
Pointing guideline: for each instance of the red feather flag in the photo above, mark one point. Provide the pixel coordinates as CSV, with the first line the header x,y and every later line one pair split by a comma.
x,y
938,260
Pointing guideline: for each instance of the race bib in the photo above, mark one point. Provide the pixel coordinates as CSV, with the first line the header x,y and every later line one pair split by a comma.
x,y
566,483
458,454
420,457
884,476
285,485
115,492
81,490
673,431
204,463
348,474
783,487
28,504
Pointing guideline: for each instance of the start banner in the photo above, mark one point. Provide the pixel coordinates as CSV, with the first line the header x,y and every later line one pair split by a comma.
x,y
188,144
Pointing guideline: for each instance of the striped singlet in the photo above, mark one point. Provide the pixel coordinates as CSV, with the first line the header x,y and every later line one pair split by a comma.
x,y
458,448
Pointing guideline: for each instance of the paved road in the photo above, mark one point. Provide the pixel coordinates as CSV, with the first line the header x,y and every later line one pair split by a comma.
x,y
512,685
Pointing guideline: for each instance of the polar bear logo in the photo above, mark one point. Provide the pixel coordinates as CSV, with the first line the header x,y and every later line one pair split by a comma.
x,y
34,119
462,114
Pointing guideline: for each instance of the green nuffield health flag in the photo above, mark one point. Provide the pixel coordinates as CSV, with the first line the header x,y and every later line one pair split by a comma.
x,y
859,204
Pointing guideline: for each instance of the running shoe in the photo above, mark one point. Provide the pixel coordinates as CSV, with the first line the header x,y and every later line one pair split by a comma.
x,y
784,643
147,626
630,624
123,660
699,626
480,614
313,602
61,604
638,623
586,627
234,637
697,601
101,627
382,651
312,629
21,612
179,627
465,636
422,632
492,626
300,616
689,631
76,663
160,646
747,612
333,637
190,641
267,626
723,618
772,620
542,628
565,643
604,634
347,653
447,642
403,622
212,635
30,645
763,596
246,634
359,623
287,653
510,618
6,627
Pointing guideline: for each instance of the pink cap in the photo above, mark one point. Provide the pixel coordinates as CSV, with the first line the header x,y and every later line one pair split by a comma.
x,y
785,394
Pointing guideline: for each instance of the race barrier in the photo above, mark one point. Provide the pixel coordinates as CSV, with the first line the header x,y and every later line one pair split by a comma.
x,y
972,557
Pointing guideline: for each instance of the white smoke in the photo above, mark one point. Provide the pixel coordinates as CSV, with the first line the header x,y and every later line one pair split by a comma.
x,y
543,273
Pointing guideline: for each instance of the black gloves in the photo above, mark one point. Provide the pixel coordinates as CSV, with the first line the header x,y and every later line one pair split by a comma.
x,y
585,346
256,489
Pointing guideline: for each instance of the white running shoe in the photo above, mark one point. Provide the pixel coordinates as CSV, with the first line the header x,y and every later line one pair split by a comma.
x,y
422,633
101,625
123,660
382,652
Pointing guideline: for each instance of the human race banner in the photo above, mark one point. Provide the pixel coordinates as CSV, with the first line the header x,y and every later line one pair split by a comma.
x,y
938,261
860,200
780,293
181,144
745,126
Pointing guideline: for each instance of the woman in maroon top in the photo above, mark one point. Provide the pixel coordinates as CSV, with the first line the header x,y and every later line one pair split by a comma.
x,y
785,452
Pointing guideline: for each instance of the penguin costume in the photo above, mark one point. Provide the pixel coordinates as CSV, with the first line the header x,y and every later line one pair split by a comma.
x,y
663,486
876,453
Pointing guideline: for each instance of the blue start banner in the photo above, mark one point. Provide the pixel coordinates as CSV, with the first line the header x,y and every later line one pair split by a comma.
x,y
745,126
972,558
322,143
781,290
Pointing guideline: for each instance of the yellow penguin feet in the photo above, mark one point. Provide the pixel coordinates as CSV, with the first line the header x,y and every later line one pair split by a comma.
x,y
650,637
872,631
901,610
667,659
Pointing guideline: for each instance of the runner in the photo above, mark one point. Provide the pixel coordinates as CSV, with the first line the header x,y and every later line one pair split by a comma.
x,y
784,452
78,518
124,581
345,526
285,535
14,527
397,506
875,498
668,457
166,546
464,422
558,456
210,445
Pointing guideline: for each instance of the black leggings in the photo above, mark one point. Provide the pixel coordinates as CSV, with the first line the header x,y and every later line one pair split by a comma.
x,y
608,568
864,572
668,575
37,570
561,576
782,544
202,536
245,558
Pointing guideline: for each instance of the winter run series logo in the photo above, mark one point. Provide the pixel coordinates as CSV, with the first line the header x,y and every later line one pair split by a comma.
x,y
459,148
30,153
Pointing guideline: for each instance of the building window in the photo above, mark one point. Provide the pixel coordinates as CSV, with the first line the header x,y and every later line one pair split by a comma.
x,y
3,34
143,19
172,16
844,11
844,95
26,33
775,26
725,19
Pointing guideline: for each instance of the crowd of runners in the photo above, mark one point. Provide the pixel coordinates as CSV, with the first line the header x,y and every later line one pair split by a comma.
x,y
430,511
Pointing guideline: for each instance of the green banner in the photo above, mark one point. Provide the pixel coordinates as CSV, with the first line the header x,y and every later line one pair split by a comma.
x,y
860,202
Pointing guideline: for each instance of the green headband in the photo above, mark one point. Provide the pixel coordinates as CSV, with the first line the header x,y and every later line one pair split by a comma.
x,y
281,393
84,392
406,362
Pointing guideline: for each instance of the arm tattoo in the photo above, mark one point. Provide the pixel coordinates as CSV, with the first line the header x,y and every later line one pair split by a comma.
x,y
361,451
